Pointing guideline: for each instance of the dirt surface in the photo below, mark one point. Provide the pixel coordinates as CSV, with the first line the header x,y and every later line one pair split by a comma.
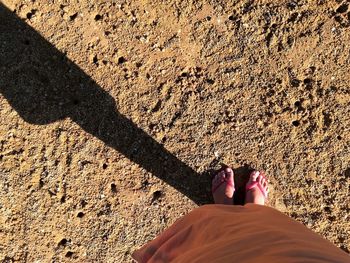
x,y
111,114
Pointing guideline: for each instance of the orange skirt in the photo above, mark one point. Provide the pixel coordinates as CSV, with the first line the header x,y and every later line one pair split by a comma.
x,y
250,233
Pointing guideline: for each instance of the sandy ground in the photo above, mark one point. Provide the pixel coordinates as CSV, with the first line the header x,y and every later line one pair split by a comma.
x,y
112,113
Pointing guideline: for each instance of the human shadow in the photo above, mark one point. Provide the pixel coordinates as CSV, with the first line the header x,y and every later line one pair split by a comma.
x,y
44,86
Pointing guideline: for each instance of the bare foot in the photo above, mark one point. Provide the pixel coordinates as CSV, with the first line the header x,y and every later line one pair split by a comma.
x,y
223,187
258,193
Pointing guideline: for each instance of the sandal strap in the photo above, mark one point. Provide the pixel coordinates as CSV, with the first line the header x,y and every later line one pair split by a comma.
x,y
224,181
256,184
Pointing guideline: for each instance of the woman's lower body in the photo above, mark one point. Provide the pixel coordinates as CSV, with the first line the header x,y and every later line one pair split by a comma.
x,y
249,233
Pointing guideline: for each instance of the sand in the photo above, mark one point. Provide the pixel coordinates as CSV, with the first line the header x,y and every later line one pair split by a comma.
x,y
113,114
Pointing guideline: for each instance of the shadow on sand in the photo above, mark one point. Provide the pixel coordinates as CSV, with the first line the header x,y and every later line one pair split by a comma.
x,y
44,86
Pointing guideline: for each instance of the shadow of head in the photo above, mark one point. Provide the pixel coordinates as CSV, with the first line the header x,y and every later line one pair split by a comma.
x,y
40,82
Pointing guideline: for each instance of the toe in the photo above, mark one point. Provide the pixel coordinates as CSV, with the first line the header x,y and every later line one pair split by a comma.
x,y
228,171
218,178
264,183
254,175
267,184
229,174
221,176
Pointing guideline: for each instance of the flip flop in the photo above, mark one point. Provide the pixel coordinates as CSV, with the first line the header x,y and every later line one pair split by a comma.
x,y
224,180
257,184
